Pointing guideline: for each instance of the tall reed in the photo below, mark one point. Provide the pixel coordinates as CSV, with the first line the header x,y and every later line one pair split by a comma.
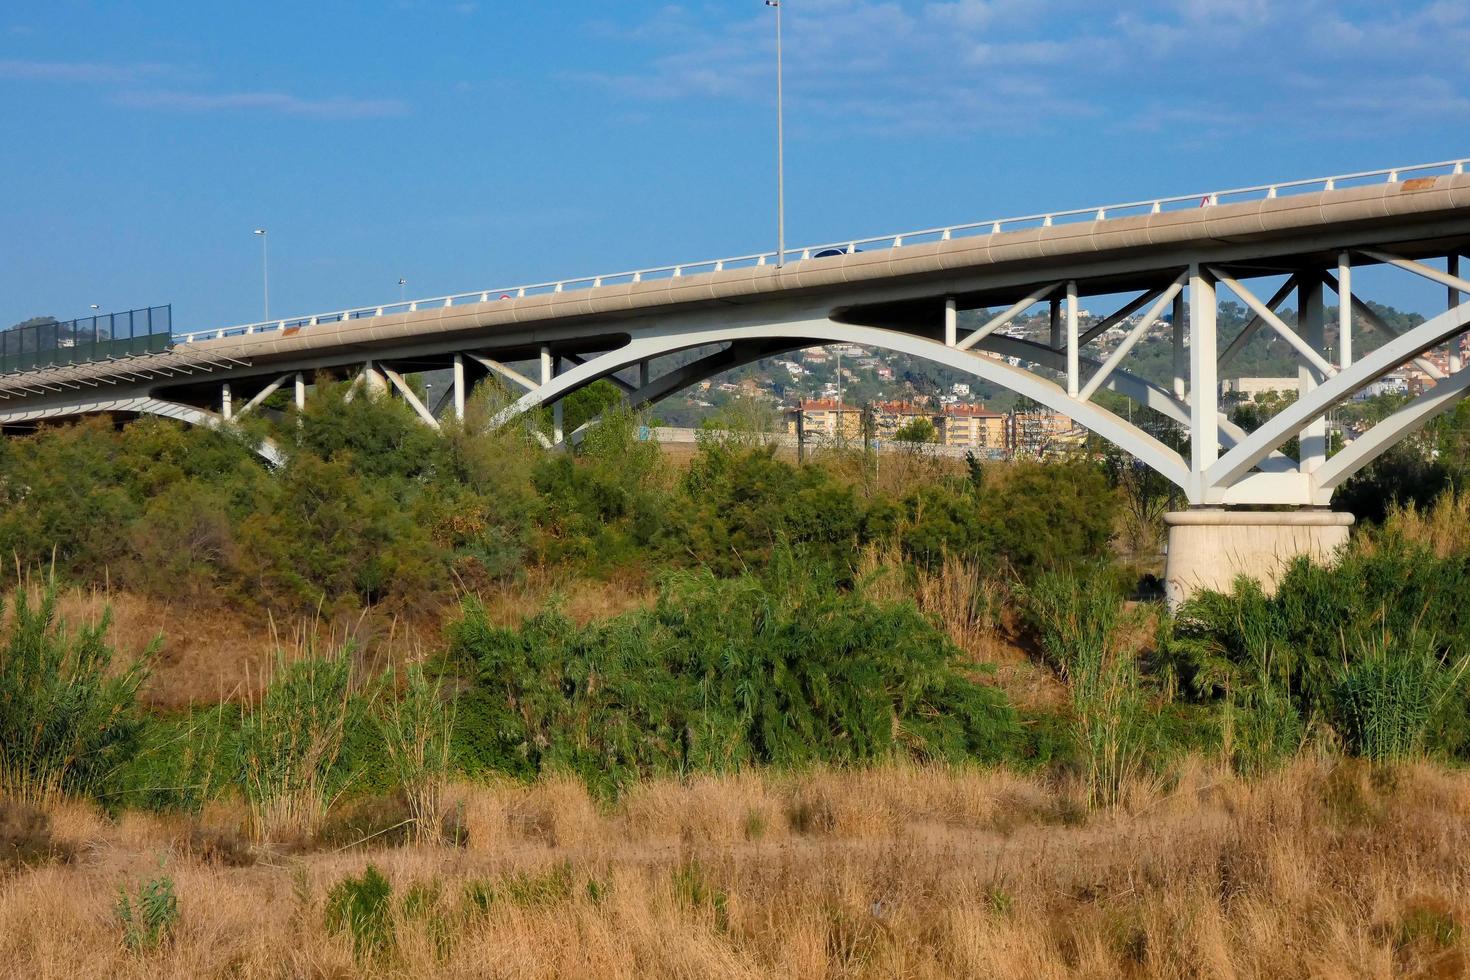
x,y
1389,698
1076,616
416,728
290,741
959,593
66,719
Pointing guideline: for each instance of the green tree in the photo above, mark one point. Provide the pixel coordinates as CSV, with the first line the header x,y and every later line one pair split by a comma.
x,y
917,430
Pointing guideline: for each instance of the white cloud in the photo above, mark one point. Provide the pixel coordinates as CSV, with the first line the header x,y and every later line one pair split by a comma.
x,y
86,72
137,86
338,107
1027,64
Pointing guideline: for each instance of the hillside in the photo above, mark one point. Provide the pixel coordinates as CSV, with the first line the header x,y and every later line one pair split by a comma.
x,y
883,376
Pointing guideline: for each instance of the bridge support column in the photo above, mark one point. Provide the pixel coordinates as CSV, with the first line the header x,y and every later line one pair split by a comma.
x,y
1452,265
549,364
226,402
373,381
300,390
1209,549
1310,312
459,388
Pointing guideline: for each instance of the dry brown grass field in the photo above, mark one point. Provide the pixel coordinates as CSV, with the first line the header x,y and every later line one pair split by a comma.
x,y
223,653
1326,869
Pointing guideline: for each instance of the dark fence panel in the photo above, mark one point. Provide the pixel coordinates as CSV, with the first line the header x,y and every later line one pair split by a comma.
x,y
93,338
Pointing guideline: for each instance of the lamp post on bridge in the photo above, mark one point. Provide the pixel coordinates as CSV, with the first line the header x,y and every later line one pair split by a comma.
x,y
265,271
780,145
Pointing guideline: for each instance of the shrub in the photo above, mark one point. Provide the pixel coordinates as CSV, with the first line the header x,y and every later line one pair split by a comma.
x,y
1047,516
1323,620
178,763
67,719
719,675
148,918
363,909
744,505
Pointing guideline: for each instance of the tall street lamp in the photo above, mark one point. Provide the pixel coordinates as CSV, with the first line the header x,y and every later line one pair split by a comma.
x,y
401,283
265,271
780,146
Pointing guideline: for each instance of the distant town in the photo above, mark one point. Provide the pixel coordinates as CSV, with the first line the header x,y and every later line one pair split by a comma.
x,y
846,392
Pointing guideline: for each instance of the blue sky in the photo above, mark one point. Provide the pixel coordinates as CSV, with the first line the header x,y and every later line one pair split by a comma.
x,y
468,145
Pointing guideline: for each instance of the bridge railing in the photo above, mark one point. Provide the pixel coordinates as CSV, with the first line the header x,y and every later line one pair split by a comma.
x,y
106,336
994,226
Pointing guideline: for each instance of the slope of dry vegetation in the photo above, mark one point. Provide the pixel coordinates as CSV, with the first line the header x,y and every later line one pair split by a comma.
x,y
420,706
1325,869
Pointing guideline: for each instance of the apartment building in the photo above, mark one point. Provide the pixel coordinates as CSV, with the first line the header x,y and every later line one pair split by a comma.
x,y
825,417
973,427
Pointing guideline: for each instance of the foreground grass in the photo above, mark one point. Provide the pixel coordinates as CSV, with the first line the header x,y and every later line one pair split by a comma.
x,y
1326,869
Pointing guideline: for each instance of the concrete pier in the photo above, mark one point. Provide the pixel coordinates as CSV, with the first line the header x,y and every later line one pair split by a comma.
x,y
1209,549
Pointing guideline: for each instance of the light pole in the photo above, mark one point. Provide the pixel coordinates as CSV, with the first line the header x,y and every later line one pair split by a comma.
x,y
401,283
780,145
265,271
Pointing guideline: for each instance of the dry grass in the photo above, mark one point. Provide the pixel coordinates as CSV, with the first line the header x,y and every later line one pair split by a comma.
x,y
582,600
212,654
1323,870
1443,527
971,603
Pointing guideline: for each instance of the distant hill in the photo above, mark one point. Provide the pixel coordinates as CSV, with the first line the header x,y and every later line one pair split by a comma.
x,y
35,321
884,376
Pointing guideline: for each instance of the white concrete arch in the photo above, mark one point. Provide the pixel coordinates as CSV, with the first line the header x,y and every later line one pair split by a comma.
x,y
656,343
1336,390
187,414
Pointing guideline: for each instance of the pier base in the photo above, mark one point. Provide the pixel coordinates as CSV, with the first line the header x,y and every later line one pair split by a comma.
x,y
1209,549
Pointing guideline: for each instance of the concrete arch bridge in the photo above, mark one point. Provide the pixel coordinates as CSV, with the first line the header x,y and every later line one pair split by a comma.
x,y
1170,259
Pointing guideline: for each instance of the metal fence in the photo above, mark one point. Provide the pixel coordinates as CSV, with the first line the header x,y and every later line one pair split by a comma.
x,y
93,338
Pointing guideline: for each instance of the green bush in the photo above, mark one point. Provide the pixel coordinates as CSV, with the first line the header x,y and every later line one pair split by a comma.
x,y
743,505
149,917
1302,642
722,674
179,762
67,719
363,909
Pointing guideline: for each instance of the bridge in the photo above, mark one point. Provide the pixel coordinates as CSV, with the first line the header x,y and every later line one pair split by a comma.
x,y
1170,258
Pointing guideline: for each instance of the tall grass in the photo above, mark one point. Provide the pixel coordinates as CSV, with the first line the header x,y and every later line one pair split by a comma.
x,y
1443,527
290,741
1323,869
67,720
1390,697
962,595
416,728
1077,618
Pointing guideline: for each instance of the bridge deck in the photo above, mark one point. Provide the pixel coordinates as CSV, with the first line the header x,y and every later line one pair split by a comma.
x,y
897,286
989,269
